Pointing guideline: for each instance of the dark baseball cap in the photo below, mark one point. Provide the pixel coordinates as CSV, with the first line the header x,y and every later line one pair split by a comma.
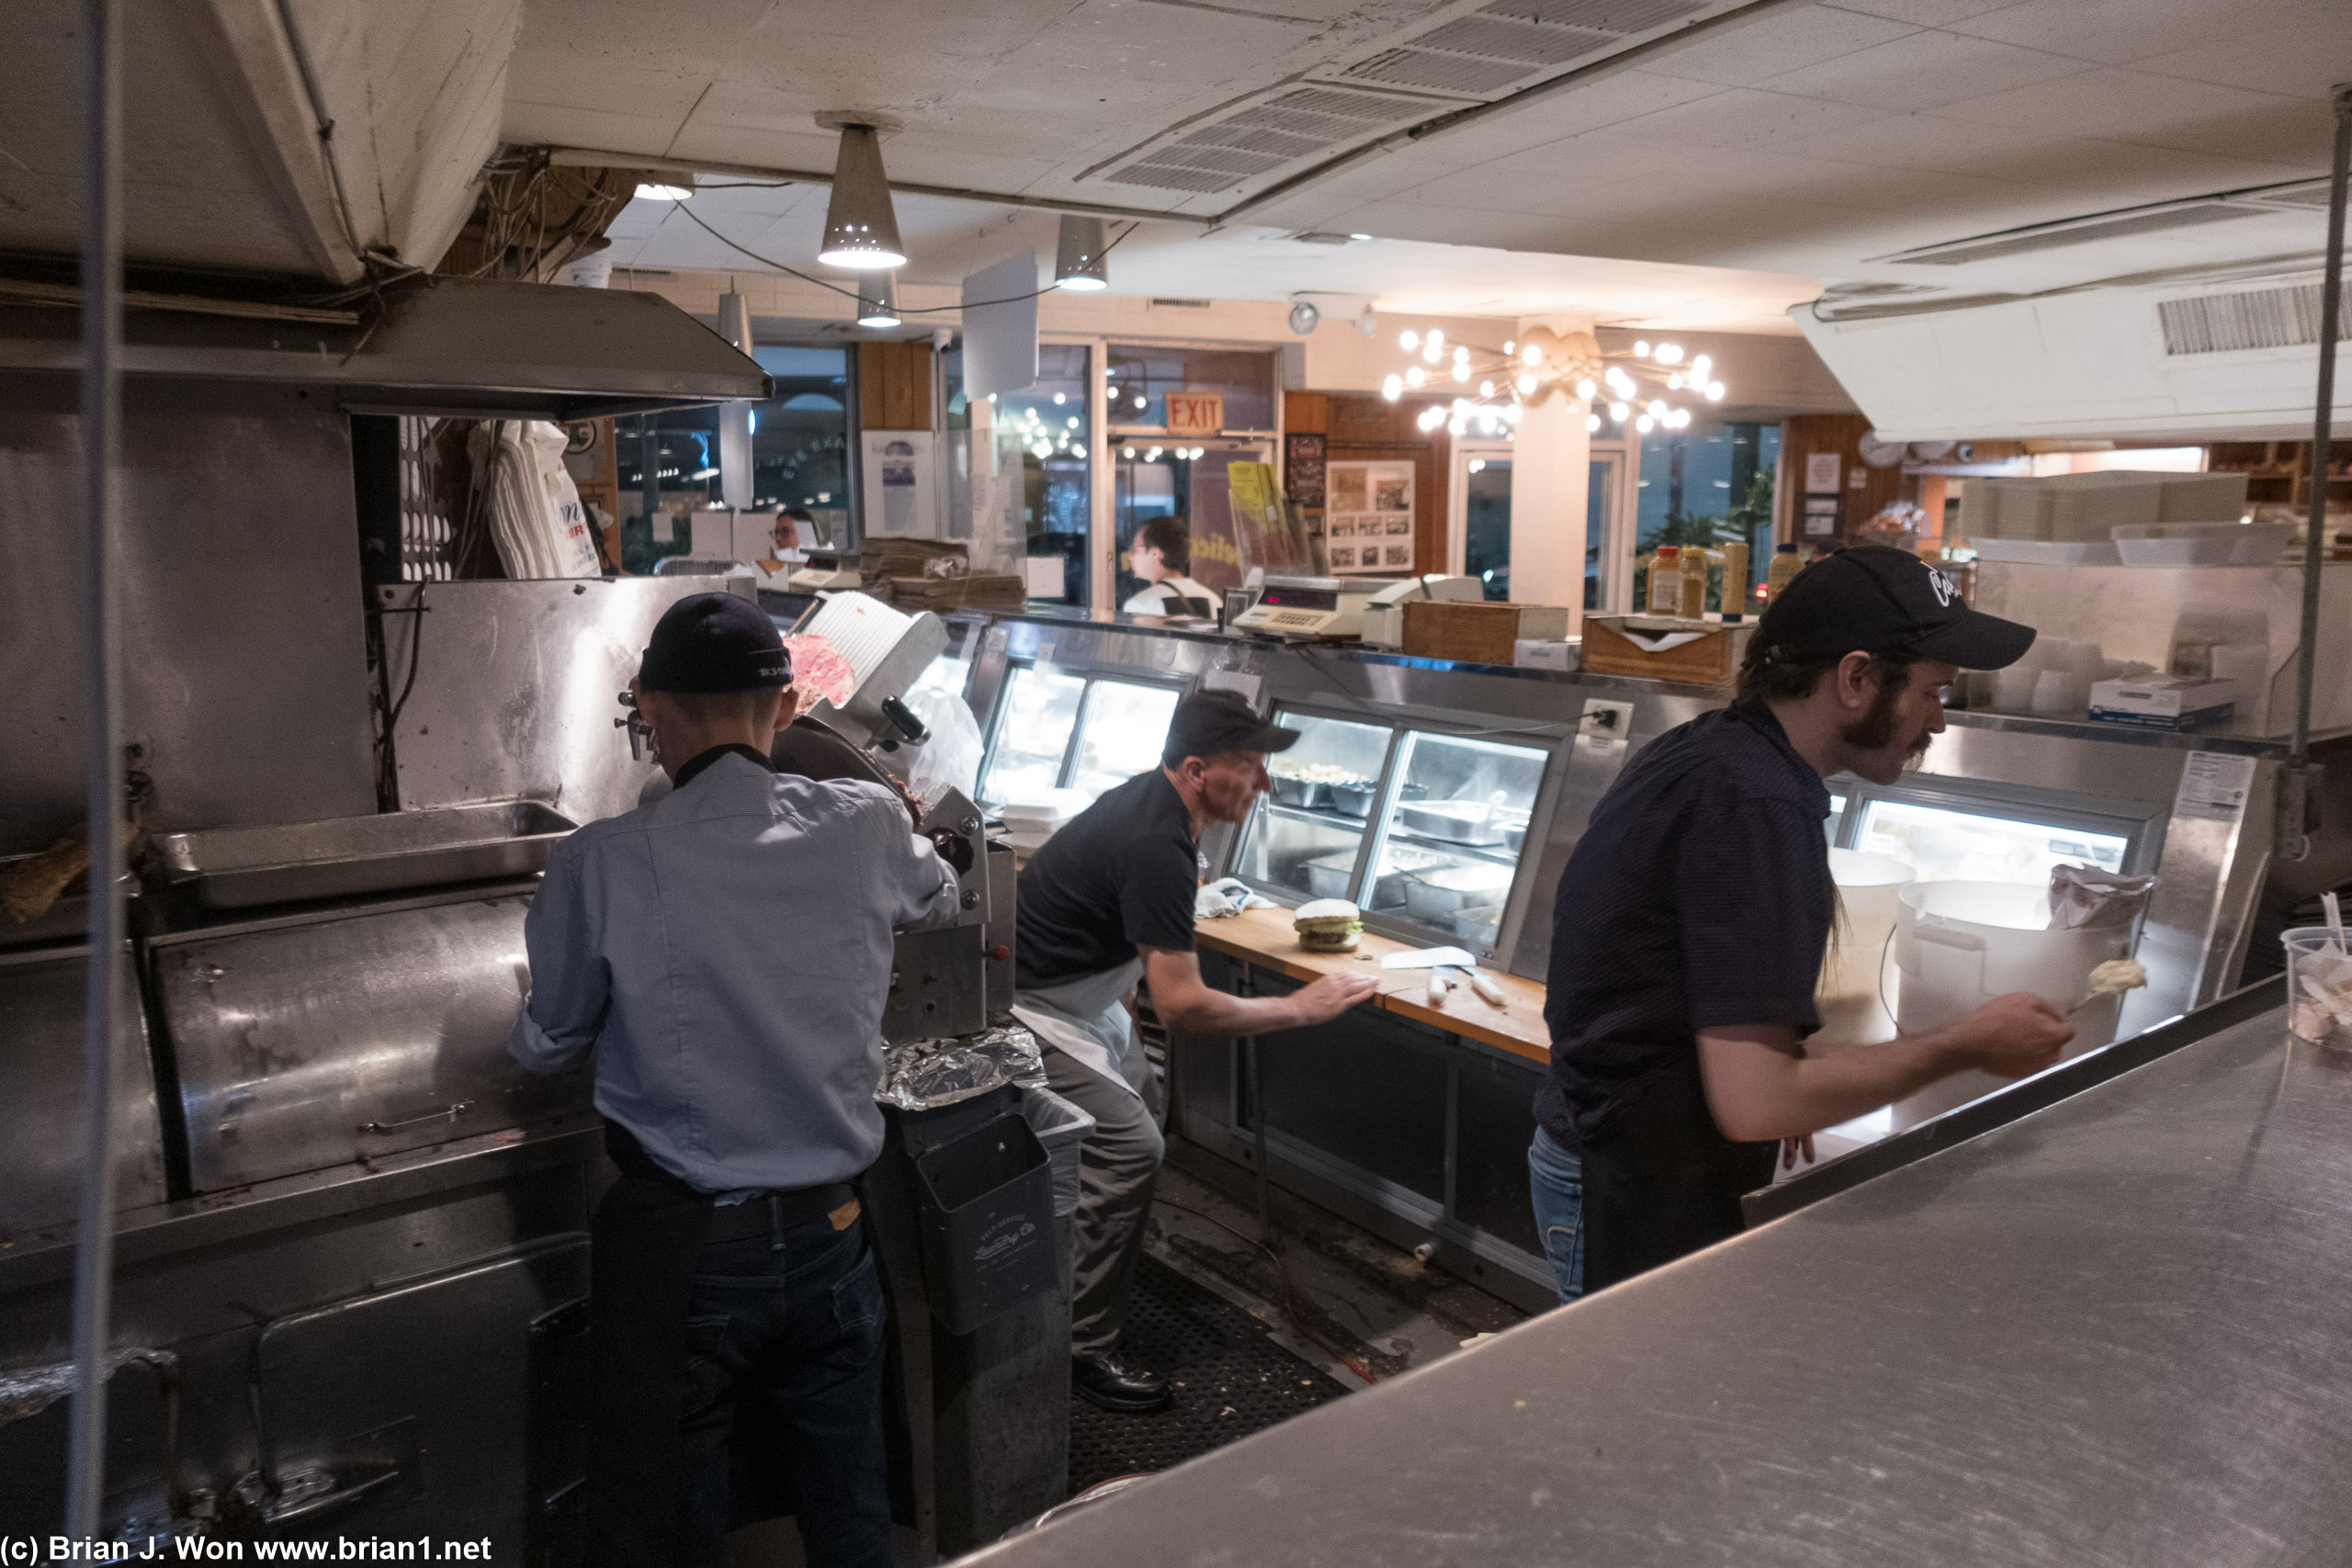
x,y
1208,724
1877,599
715,642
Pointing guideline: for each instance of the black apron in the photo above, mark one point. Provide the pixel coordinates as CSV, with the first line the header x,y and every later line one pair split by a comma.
x,y
1660,1181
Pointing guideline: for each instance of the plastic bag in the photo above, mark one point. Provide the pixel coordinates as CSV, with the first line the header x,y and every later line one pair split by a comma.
x,y
2084,896
952,755
536,518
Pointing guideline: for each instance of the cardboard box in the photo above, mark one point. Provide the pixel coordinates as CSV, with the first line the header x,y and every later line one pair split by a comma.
x,y
1477,632
1535,653
2163,701
1703,653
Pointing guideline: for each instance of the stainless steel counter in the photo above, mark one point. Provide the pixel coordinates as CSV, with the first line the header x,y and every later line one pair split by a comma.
x,y
2112,1332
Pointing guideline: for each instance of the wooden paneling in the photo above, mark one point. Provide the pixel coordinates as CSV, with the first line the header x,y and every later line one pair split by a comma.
x,y
1363,429
1807,435
894,386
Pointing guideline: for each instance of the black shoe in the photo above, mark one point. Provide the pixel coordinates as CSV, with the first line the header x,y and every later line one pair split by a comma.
x,y
1109,1383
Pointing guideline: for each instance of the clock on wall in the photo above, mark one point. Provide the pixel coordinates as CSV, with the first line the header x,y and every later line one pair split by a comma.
x,y
1881,454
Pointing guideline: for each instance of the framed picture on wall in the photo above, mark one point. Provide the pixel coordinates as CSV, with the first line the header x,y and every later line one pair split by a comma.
x,y
1369,501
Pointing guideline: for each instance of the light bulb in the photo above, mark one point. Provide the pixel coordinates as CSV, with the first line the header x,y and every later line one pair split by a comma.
x,y
1139,402
1461,371
1531,355
1674,382
1152,456
1681,418
1526,384
1408,339
1429,351
1073,421
1457,429
1618,411
1714,392
1511,414
1698,363
1509,345
1129,453
1669,353
1485,388
1061,396
1413,378
1437,338
1585,388
1642,348
1656,409
1593,422
1461,355
1393,388
1646,425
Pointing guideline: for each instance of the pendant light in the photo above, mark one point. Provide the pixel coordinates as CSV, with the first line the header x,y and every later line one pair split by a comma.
x,y
1079,263
878,299
861,229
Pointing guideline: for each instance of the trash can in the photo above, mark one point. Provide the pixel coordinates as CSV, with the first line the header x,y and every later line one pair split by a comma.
x,y
988,1223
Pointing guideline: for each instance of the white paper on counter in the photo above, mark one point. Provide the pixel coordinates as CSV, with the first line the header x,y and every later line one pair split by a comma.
x,y
1430,958
1658,642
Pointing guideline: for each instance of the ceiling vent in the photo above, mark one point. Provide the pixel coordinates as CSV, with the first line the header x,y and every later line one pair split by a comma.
x,y
2227,324
1469,56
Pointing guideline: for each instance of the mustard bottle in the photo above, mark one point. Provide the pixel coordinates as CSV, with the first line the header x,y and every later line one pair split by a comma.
x,y
1694,582
1665,582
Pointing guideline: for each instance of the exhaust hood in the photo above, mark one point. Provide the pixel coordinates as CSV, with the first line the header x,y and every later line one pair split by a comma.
x,y
468,347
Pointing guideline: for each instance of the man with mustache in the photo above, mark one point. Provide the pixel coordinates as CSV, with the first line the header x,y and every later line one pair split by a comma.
x,y
1691,920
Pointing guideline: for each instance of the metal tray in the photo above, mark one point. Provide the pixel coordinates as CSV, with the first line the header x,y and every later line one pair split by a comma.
x,y
65,920
236,868
1436,893
1459,821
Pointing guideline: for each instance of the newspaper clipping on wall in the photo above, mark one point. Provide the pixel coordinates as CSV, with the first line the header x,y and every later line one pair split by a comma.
x,y
1368,517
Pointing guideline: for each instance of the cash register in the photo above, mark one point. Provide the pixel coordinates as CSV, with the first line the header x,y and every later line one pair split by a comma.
x,y
1312,606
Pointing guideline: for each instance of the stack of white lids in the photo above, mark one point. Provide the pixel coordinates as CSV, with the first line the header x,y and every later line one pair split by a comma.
x,y
1030,823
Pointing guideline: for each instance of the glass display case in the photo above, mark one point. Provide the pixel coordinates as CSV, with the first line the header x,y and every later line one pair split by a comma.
x,y
1307,837
1420,829
1944,844
1058,728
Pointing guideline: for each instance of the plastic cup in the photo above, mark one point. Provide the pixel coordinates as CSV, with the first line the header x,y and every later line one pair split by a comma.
x,y
2318,988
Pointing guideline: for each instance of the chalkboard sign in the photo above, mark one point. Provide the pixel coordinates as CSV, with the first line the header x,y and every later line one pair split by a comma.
x,y
1303,457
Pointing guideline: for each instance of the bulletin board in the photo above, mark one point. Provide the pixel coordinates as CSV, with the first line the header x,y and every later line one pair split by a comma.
x,y
1368,517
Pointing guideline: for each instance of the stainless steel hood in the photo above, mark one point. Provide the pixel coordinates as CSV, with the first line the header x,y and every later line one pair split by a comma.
x,y
444,345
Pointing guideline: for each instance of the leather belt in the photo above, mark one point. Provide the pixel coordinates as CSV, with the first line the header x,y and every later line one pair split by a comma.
x,y
773,1213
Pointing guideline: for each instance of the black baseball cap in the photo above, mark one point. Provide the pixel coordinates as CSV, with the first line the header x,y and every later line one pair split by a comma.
x,y
715,642
1877,599
1208,724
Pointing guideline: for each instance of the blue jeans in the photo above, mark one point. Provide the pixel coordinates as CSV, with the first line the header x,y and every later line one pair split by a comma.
x,y
801,1329
1556,1182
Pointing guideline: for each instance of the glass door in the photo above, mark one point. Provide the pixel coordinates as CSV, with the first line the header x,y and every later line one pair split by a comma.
x,y
1192,481
1608,565
1451,834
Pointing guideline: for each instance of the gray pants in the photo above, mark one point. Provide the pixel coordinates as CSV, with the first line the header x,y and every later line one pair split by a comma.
x,y
1117,1165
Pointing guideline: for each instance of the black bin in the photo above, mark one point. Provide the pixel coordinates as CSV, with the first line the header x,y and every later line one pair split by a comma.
x,y
988,1223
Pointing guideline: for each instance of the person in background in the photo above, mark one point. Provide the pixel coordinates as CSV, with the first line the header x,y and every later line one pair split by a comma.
x,y
1691,922
724,954
1161,554
795,530
1108,900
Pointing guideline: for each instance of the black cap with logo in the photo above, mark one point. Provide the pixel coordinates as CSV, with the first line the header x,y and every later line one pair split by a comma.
x,y
1876,599
1209,724
715,642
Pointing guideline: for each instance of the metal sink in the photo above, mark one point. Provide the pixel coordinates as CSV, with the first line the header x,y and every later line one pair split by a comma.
x,y
236,868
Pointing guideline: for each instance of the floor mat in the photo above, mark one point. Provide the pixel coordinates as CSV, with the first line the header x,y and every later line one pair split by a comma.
x,y
1230,1381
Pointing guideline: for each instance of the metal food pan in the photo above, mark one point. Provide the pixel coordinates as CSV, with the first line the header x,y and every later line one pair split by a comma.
x,y
1431,899
1459,821
1306,793
236,868
1329,878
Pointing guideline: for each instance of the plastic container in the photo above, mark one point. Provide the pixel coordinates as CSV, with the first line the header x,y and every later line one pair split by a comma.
x,y
1695,581
2318,988
1850,995
988,1223
1665,582
1060,1127
1960,944
2047,552
1786,564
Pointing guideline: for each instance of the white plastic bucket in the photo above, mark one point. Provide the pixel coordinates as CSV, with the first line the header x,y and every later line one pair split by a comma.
x,y
1960,944
1849,994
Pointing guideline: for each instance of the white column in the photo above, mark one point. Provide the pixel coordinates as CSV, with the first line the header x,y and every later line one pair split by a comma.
x,y
1548,481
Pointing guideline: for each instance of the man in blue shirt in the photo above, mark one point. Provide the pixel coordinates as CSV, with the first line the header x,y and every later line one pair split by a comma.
x,y
725,951
1691,922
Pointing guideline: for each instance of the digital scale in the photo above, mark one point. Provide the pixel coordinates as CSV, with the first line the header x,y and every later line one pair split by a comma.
x,y
1312,606
825,571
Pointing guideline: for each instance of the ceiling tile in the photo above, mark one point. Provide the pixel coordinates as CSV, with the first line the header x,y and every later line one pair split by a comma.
x,y
2161,111
1743,116
2116,32
1927,13
2293,58
1924,70
1775,42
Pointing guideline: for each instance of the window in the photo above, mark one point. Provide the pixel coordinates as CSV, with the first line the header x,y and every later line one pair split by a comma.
x,y
1042,434
1486,540
1709,486
1137,379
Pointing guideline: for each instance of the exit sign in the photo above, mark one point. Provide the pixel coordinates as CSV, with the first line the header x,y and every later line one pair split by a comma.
x,y
1195,414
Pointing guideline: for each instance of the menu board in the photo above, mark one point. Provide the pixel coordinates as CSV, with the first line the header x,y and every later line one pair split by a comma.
x,y
1368,517
1304,453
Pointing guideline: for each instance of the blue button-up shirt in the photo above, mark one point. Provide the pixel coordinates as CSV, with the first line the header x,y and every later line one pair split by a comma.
x,y
725,952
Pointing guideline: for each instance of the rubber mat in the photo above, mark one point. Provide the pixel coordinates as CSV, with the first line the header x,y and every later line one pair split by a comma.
x,y
1230,1380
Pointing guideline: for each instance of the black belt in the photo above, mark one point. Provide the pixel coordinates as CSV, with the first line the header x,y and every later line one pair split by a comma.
x,y
773,1213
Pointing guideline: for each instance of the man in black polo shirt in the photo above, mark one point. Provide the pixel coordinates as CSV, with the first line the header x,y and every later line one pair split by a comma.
x,y
1691,922
1108,901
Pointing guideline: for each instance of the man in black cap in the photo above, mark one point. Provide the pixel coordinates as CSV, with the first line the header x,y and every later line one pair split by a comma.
x,y
1691,922
1107,901
725,951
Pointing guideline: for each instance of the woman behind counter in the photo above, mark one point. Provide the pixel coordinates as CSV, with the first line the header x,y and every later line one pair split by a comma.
x,y
1161,554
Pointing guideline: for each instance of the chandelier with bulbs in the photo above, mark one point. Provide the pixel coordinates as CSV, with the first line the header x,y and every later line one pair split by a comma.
x,y
1543,364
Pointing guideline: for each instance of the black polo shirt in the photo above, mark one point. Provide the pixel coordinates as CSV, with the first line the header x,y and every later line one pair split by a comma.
x,y
1699,897
1119,876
